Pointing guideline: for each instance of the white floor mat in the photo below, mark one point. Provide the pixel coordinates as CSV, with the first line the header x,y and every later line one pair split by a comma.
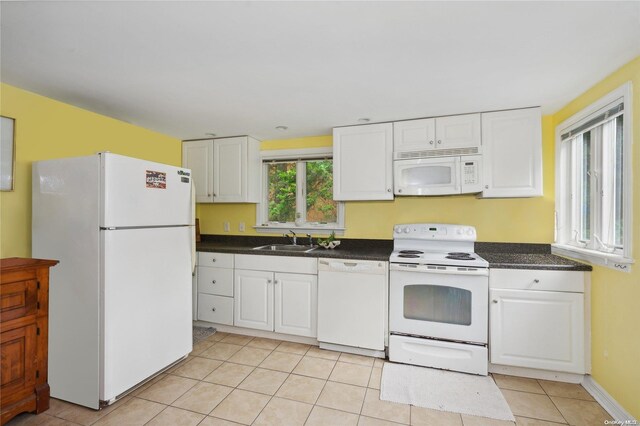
x,y
444,390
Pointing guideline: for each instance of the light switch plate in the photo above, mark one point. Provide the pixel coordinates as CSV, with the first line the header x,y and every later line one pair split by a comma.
x,y
241,227
227,227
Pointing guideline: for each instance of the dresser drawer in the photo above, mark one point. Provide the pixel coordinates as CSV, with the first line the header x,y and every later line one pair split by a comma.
x,y
218,309
529,279
18,299
217,260
218,281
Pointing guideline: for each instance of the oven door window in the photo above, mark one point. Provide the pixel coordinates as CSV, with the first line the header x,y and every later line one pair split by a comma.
x,y
450,305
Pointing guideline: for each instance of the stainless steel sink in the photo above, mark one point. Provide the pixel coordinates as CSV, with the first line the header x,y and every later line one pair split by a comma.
x,y
286,247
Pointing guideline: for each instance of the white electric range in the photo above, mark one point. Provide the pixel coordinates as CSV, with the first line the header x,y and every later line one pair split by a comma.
x,y
438,298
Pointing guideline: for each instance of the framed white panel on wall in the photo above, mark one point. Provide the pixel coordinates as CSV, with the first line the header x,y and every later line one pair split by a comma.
x,y
7,152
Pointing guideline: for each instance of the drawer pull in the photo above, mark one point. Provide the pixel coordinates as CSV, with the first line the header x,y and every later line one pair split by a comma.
x,y
275,281
268,281
213,309
494,301
536,281
213,282
213,260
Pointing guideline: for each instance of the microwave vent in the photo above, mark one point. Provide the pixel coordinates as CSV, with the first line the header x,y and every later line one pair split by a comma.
x,y
435,153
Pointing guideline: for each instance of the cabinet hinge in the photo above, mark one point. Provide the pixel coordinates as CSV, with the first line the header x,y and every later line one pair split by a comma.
x,y
38,331
37,305
38,285
37,374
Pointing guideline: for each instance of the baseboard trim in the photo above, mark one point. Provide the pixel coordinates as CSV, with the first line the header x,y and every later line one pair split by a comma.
x,y
532,373
607,401
258,333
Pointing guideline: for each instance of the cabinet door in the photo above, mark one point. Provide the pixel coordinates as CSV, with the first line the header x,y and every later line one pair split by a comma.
x,y
18,372
230,170
253,299
537,329
198,156
458,131
362,162
414,135
296,304
512,151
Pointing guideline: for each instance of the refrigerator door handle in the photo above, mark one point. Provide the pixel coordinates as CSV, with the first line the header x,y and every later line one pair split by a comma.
x,y
193,228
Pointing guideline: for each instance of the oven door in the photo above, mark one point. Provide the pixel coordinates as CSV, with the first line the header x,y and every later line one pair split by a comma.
x,y
427,176
442,302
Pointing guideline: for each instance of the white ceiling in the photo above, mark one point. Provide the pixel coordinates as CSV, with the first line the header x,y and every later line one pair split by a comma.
x,y
188,68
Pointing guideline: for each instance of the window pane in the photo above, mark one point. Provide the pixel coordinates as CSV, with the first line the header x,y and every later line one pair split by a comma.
x,y
320,204
282,191
619,222
584,202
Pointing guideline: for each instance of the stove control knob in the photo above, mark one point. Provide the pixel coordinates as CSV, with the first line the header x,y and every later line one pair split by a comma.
x,y
397,230
406,230
469,231
459,231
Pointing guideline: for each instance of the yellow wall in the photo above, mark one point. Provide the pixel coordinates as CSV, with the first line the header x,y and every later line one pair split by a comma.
x,y
47,129
616,295
513,220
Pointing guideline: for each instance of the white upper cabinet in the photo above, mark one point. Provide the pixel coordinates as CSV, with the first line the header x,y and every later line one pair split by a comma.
x,y
198,156
512,153
414,135
236,167
225,170
454,132
362,162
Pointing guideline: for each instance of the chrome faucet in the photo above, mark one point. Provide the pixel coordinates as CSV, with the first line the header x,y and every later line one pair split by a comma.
x,y
310,240
293,237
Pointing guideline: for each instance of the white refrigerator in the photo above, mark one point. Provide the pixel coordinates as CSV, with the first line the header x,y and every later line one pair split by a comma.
x,y
120,299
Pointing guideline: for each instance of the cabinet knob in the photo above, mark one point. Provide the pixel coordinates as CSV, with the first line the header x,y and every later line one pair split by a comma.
x,y
213,282
430,142
399,191
268,281
214,194
275,281
536,281
213,260
494,301
439,142
208,195
388,189
213,309
486,187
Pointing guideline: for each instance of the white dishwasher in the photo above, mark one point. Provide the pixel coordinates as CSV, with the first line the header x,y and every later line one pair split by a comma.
x,y
352,304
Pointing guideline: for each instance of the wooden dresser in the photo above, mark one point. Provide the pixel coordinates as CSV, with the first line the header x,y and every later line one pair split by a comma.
x,y
24,324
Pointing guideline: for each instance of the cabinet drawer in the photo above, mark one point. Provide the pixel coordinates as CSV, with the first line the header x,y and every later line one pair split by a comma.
x,y
527,279
218,281
18,299
218,309
218,260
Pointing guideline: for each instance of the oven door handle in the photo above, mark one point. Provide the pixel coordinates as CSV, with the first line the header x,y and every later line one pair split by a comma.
x,y
439,269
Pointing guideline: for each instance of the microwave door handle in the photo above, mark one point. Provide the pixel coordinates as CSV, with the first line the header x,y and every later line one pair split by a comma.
x,y
457,175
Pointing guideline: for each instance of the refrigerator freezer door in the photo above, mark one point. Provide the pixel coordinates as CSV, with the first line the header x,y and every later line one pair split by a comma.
x,y
146,304
142,193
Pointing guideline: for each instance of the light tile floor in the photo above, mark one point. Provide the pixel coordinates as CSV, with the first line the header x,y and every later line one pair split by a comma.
x,y
230,379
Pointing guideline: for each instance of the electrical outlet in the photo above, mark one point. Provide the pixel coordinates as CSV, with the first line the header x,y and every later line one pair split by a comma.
x,y
227,227
241,227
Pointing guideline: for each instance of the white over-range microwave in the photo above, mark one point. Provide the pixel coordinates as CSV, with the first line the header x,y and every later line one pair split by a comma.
x,y
437,175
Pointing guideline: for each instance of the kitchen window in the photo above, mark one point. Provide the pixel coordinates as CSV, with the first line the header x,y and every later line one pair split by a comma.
x,y
297,192
593,179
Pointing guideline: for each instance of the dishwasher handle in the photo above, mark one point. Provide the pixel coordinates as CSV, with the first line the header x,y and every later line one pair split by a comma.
x,y
347,265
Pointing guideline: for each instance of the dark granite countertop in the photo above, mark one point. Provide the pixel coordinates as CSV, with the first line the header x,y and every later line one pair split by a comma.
x,y
526,256
348,248
499,255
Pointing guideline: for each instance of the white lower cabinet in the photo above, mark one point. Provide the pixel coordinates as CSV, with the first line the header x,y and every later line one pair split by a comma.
x,y
267,298
537,320
215,287
273,301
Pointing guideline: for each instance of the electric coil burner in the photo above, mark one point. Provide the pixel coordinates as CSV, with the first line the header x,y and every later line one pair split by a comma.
x,y
438,298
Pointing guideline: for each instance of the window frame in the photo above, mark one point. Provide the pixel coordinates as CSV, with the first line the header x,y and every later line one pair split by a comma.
x,y
262,225
566,184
